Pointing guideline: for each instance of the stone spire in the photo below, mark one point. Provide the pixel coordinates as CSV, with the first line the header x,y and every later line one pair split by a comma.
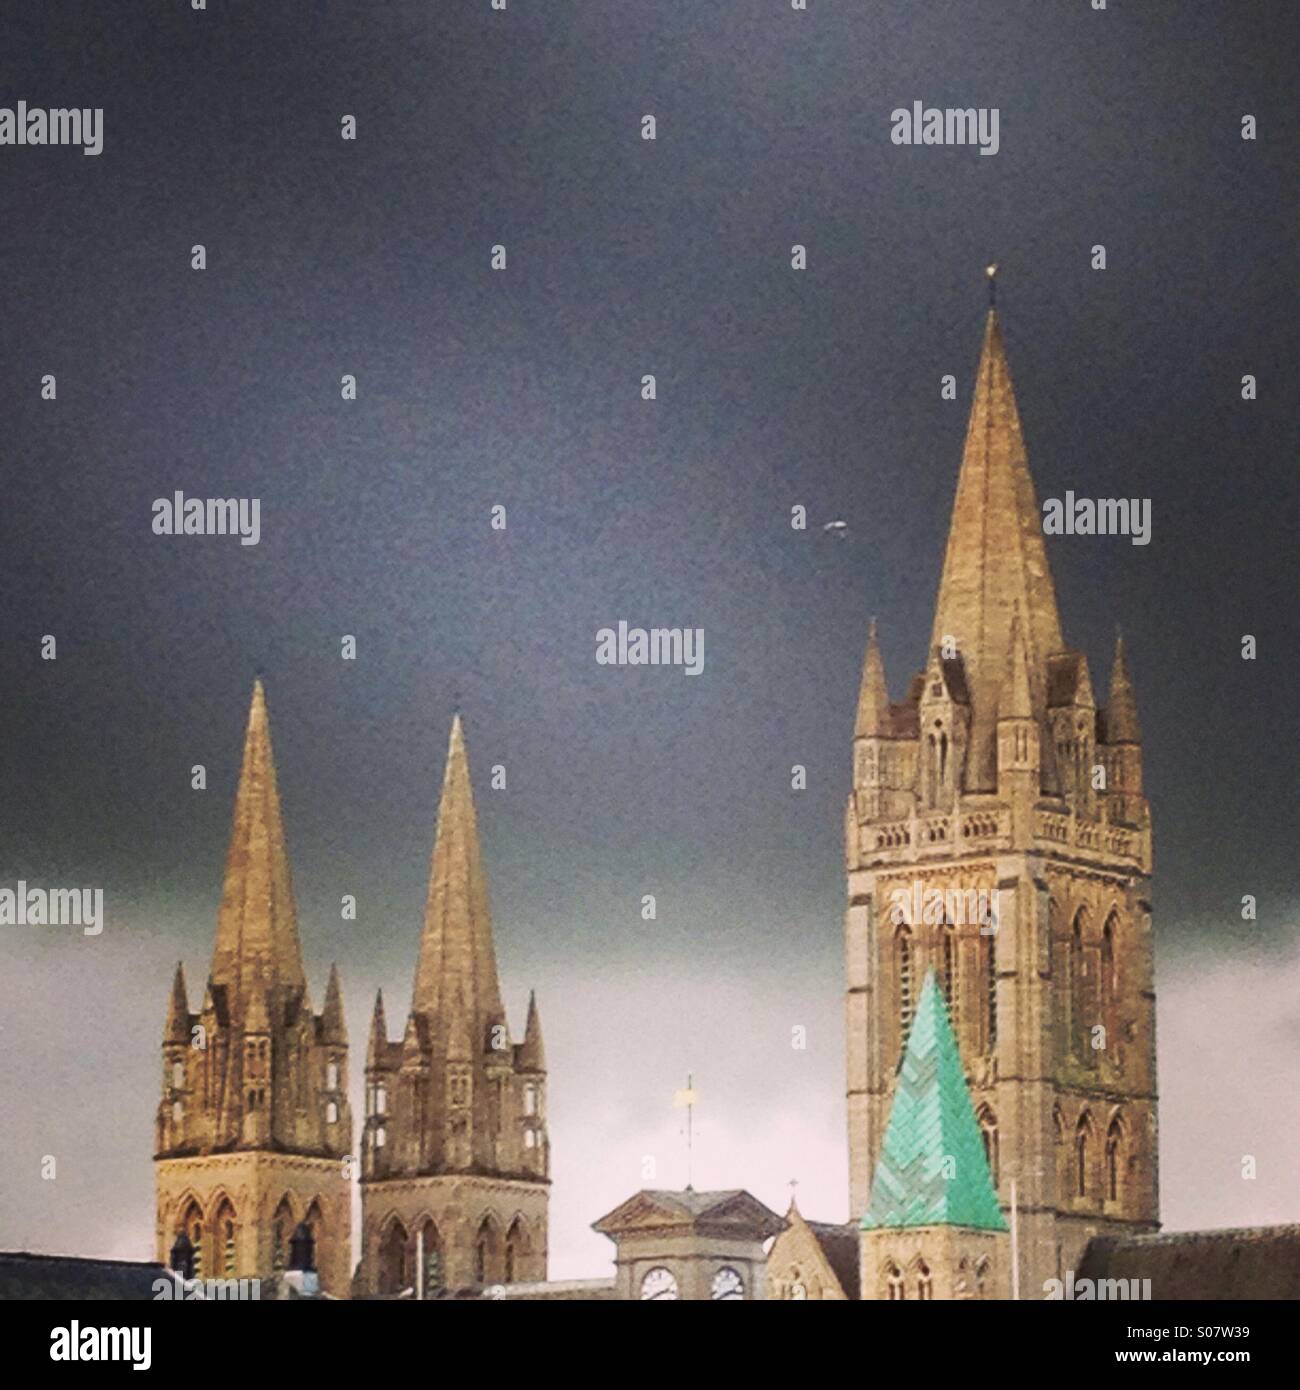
x,y
995,561
457,969
932,1169
257,929
1121,710
532,1055
873,719
333,1028
378,1033
178,1010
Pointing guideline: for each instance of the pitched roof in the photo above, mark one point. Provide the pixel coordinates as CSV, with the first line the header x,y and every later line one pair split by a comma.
x,y
840,1245
733,1208
24,1275
1261,1262
932,1169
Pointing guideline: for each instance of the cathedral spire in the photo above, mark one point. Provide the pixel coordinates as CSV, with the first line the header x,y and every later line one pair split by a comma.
x,y
257,929
178,1009
873,719
532,1054
378,1033
457,968
995,561
333,1028
1121,710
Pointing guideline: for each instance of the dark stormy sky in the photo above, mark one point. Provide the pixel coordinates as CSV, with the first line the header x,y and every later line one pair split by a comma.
x,y
522,388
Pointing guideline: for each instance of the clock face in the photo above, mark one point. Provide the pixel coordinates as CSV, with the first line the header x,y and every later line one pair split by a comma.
x,y
798,1292
727,1284
660,1284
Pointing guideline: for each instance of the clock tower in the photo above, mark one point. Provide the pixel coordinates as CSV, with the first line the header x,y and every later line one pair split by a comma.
x,y
690,1245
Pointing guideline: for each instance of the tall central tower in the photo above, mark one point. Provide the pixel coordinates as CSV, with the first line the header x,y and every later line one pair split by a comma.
x,y
454,1154
998,833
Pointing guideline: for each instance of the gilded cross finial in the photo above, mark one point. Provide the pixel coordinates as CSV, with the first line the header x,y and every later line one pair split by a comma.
x,y
992,272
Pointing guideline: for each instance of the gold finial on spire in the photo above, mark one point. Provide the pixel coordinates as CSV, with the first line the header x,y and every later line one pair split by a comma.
x,y
992,272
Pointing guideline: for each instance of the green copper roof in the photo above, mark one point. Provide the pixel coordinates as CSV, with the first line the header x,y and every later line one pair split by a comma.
x,y
932,1170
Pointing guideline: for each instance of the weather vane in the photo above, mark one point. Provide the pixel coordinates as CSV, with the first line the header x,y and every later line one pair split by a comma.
x,y
685,1100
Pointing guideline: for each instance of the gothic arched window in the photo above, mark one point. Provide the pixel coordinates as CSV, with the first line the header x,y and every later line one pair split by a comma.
x,y
434,1280
315,1223
517,1246
903,970
1078,1016
1082,1133
282,1225
897,1289
989,1134
1109,967
192,1225
486,1252
990,992
392,1258
224,1228
924,1281
949,980
1114,1141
